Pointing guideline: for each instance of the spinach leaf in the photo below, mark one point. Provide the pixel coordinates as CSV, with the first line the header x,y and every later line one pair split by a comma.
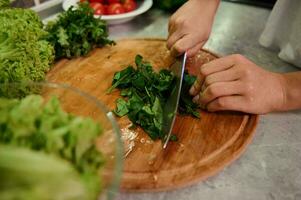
x,y
121,108
144,94
122,79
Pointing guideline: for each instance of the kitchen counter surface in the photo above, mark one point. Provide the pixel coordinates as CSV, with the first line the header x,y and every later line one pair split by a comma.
x,y
270,169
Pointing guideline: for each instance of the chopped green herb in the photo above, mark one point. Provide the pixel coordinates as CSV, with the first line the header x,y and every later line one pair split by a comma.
x,y
144,94
121,108
173,138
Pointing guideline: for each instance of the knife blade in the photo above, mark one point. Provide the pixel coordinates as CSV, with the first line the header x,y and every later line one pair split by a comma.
x,y
171,106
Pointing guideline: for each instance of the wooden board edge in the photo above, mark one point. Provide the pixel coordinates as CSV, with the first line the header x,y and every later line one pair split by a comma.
x,y
253,123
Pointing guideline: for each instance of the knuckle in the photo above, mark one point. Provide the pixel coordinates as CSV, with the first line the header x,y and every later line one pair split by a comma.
x,y
249,88
221,103
212,91
237,58
203,70
179,48
206,81
179,21
185,23
250,100
211,107
247,73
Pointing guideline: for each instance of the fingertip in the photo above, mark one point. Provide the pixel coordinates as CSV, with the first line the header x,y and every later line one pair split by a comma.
x,y
196,99
168,44
191,53
192,90
194,50
174,52
211,107
203,88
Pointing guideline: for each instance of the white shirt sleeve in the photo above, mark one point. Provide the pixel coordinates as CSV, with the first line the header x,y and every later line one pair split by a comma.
x,y
283,31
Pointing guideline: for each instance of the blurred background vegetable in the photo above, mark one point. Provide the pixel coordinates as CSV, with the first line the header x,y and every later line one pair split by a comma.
x,y
24,53
76,32
30,175
30,123
4,3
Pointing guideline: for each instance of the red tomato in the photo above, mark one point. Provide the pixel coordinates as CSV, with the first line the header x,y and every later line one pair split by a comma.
x,y
98,8
96,1
129,5
115,8
113,1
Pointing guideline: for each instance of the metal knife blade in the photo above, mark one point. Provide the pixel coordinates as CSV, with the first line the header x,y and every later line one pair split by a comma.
x,y
171,106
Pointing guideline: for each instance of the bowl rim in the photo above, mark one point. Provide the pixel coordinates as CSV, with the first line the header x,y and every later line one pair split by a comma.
x,y
142,7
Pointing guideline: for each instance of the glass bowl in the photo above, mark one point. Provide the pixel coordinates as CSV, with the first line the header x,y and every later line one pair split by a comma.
x,y
79,103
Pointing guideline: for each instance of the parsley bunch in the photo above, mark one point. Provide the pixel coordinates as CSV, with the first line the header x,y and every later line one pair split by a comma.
x,y
77,32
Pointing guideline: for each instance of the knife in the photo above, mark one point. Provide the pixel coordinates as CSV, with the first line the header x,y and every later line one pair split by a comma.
x,y
171,105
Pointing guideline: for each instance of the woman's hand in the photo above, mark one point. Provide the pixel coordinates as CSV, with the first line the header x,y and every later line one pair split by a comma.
x,y
235,83
190,27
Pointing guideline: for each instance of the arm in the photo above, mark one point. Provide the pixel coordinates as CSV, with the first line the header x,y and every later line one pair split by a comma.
x,y
292,91
235,83
190,27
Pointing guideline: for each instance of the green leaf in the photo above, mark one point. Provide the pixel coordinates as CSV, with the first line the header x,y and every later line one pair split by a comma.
x,y
122,79
121,108
138,60
173,138
62,37
135,102
158,111
126,92
139,82
147,109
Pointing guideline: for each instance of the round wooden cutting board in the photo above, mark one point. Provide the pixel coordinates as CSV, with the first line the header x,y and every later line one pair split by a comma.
x,y
205,145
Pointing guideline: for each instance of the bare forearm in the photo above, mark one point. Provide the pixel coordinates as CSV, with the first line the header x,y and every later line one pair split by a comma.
x,y
213,4
291,90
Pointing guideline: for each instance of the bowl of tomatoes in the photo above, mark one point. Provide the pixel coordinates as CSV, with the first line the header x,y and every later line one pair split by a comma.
x,y
114,11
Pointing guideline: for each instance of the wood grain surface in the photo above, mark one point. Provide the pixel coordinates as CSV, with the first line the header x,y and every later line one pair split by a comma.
x,y
205,145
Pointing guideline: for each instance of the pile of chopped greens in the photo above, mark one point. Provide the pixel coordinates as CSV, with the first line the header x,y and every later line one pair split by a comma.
x,y
24,53
145,93
45,127
77,32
